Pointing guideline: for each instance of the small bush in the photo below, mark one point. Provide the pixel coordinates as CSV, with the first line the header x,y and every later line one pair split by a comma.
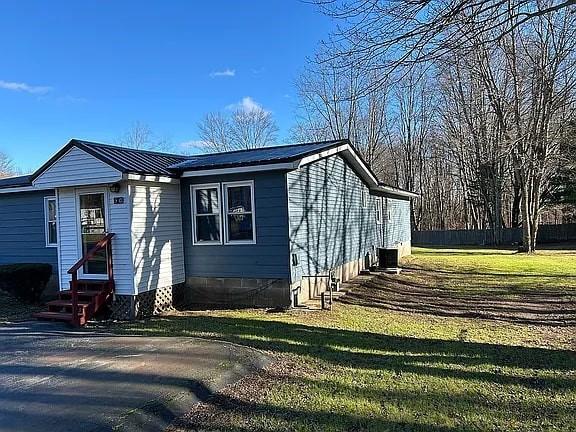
x,y
25,281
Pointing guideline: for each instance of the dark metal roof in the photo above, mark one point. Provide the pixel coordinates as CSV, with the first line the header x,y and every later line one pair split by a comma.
x,y
130,160
126,160
15,181
260,156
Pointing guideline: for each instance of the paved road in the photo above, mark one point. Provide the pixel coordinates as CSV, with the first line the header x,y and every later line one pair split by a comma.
x,y
56,379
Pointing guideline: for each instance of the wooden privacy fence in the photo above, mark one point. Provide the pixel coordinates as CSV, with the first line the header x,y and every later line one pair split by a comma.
x,y
546,234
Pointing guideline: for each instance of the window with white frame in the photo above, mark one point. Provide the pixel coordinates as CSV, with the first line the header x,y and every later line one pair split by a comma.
x,y
206,214
379,210
239,212
364,198
50,221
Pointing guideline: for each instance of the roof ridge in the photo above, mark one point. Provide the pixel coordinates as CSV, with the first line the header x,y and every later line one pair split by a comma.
x,y
99,144
269,147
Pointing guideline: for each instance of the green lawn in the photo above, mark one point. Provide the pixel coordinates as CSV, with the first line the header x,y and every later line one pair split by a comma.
x,y
367,366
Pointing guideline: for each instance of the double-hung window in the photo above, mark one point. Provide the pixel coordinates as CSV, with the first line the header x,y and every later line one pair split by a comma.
x,y
206,214
239,212
50,224
223,213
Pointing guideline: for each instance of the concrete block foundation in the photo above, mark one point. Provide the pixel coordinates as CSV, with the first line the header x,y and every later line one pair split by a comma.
x,y
234,292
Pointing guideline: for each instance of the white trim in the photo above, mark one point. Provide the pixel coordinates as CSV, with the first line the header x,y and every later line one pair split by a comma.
x,y
150,178
25,189
326,153
47,222
225,186
61,284
364,194
379,211
241,169
78,193
350,155
193,188
394,191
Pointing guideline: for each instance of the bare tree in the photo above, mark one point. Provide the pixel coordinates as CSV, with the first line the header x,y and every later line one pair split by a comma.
x,y
385,35
141,137
7,168
414,132
244,128
215,132
505,77
252,128
332,108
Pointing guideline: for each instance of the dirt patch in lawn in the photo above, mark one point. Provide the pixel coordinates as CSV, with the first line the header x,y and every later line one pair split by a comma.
x,y
235,406
431,292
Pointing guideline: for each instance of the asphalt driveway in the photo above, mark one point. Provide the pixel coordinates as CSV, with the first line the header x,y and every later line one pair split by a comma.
x,y
56,379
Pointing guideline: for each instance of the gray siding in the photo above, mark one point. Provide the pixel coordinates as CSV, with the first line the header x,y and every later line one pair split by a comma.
x,y
396,222
268,258
328,224
22,233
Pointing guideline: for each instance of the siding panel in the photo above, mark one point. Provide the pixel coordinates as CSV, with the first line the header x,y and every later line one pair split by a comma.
x,y
328,224
268,258
76,168
397,222
158,251
22,232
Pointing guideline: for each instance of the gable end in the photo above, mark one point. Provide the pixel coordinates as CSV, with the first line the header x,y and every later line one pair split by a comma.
x,y
75,167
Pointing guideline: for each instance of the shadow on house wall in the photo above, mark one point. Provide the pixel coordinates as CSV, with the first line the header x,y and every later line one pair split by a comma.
x,y
329,226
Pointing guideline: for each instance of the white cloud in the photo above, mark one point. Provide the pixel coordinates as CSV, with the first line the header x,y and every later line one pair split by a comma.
x,y
223,73
246,104
23,87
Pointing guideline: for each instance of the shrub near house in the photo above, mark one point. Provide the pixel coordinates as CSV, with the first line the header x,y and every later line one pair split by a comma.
x,y
25,281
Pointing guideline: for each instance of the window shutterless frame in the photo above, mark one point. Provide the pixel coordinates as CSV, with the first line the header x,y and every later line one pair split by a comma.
x,y
48,221
193,189
379,211
363,198
252,212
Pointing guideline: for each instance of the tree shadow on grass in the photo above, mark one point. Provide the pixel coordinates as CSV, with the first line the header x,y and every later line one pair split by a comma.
x,y
375,351
497,369
461,296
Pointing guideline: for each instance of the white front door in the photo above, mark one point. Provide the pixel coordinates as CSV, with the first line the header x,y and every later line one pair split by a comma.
x,y
92,224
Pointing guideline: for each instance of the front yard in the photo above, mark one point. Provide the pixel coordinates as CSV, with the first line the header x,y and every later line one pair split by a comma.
x,y
466,340
13,309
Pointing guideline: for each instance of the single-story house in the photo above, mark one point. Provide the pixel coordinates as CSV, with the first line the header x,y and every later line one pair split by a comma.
x,y
262,227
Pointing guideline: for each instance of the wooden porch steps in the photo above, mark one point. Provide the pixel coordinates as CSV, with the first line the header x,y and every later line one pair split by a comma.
x,y
59,316
85,296
92,296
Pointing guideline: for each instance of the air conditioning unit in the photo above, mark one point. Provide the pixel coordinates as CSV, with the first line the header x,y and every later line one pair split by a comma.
x,y
389,260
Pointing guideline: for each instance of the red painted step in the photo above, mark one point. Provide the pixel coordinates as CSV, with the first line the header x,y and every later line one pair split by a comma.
x,y
65,303
92,295
59,316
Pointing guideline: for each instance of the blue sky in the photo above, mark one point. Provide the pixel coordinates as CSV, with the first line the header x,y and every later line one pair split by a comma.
x,y
91,69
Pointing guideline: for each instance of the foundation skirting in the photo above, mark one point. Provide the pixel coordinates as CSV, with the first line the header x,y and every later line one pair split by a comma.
x,y
153,302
